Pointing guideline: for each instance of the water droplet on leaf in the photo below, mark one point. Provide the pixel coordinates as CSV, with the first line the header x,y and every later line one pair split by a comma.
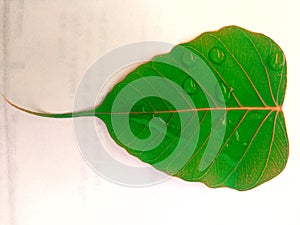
x,y
190,86
237,136
217,55
188,58
276,61
223,92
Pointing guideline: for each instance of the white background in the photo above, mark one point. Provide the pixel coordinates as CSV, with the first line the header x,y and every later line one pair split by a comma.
x,y
48,47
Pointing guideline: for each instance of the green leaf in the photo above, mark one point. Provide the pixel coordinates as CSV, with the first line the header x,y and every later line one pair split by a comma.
x,y
209,111
232,134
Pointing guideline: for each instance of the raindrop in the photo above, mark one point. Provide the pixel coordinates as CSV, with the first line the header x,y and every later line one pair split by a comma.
x,y
190,86
276,61
223,91
188,58
217,55
237,136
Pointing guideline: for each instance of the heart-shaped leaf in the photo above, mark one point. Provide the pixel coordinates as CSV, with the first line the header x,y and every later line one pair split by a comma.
x,y
208,111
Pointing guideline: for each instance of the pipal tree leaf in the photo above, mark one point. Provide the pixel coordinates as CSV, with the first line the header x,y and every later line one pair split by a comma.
x,y
208,111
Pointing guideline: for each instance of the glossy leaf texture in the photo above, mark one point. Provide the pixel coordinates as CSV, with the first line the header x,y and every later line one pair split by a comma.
x,y
208,111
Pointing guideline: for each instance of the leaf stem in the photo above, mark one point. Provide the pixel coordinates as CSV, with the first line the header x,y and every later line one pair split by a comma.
x,y
59,115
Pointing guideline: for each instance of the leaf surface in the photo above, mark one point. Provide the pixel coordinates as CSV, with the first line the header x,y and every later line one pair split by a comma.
x,y
208,111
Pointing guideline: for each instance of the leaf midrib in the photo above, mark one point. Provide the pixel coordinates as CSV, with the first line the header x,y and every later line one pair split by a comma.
x,y
250,108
